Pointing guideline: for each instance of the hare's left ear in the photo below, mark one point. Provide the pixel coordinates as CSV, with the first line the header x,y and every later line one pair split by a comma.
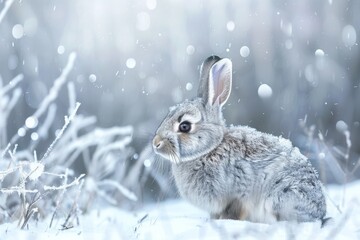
x,y
220,81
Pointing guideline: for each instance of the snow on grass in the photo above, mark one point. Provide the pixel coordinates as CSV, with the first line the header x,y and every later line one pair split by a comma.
x,y
177,219
32,189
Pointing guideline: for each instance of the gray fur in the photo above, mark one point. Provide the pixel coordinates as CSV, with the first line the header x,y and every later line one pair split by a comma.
x,y
236,172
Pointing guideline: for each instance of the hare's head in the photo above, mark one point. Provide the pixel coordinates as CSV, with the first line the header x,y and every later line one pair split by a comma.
x,y
194,128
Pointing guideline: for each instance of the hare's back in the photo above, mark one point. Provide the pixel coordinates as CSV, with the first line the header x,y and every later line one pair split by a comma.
x,y
257,145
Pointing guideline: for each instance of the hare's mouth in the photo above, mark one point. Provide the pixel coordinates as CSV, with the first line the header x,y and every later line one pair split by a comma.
x,y
166,149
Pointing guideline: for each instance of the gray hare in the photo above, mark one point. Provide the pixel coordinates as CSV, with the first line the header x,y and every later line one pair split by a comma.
x,y
235,172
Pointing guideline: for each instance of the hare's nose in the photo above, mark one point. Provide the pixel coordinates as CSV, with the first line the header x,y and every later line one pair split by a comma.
x,y
157,142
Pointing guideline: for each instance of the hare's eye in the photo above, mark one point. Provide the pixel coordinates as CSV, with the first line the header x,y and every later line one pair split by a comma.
x,y
185,127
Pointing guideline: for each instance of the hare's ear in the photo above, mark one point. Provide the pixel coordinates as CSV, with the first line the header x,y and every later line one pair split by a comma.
x,y
203,89
220,81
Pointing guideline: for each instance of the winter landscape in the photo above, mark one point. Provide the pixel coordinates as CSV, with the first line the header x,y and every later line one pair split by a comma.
x,y
85,84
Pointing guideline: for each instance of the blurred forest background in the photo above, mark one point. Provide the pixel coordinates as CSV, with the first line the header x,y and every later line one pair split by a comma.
x,y
296,68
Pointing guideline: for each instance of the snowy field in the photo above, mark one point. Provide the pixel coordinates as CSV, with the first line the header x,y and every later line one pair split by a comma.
x,y
177,219
84,85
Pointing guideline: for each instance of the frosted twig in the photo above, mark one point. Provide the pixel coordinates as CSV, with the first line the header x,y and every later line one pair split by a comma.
x,y
106,197
25,155
13,83
93,138
347,154
12,153
357,165
74,130
44,128
73,156
30,209
9,106
6,172
3,12
36,170
348,144
19,190
55,174
75,182
127,193
72,95
67,148
60,197
334,164
35,156
340,152
331,200
53,93
136,170
79,124
74,206
28,215
121,144
5,151
96,162
72,100
309,131
14,99
67,122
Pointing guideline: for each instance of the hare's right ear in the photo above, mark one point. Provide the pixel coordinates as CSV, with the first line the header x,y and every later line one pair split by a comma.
x,y
216,81
203,89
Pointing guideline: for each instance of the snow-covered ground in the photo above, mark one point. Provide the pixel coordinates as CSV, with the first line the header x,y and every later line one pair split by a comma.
x,y
177,219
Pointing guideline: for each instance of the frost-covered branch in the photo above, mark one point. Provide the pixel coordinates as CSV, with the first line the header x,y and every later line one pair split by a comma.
x,y
67,122
13,83
18,190
72,96
62,187
23,174
100,165
7,104
336,157
5,151
3,174
357,165
6,8
113,146
93,138
54,91
52,95
44,129
130,195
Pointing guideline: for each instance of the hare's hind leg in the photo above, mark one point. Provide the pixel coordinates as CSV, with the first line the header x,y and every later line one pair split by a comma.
x,y
302,202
